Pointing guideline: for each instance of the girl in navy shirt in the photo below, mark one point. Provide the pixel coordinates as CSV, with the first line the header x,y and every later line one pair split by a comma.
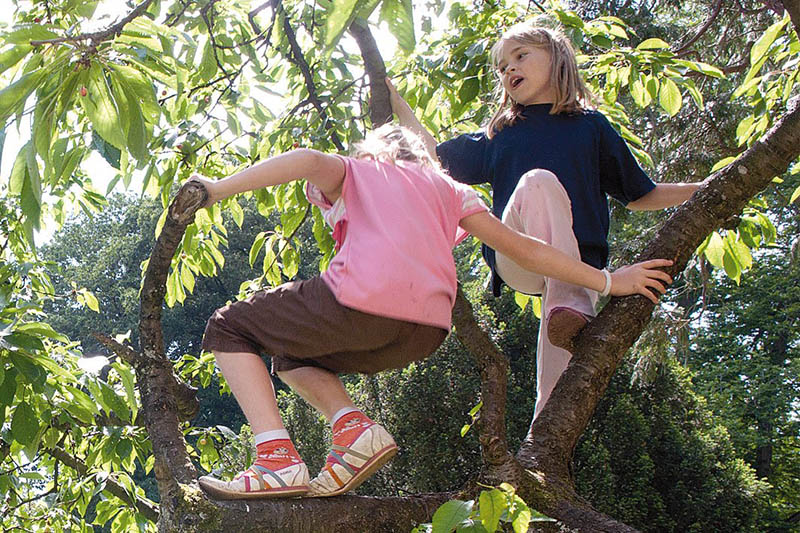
x,y
551,162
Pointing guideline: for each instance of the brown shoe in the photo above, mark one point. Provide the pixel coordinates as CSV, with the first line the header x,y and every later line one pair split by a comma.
x,y
563,325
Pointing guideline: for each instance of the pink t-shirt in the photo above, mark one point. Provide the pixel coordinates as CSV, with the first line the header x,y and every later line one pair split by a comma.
x,y
395,226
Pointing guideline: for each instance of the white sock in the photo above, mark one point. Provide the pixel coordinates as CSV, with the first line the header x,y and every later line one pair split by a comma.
x,y
343,411
271,435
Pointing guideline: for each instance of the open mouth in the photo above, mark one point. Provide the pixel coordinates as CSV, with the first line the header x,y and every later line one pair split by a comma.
x,y
515,81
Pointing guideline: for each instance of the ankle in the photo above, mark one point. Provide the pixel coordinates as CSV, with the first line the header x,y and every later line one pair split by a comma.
x,y
277,453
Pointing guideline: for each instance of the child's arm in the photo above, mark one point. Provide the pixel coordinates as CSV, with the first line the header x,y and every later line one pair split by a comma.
x,y
663,196
542,258
323,170
409,120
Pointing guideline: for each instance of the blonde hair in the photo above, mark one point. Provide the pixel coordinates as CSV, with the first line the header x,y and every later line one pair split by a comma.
x,y
393,143
572,94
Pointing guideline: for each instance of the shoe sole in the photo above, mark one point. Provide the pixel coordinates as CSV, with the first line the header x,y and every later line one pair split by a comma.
x,y
278,492
563,325
369,468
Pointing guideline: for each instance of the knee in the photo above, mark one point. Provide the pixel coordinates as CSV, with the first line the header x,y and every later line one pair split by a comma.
x,y
539,178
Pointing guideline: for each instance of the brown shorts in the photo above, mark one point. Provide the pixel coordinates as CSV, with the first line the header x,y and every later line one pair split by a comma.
x,y
301,324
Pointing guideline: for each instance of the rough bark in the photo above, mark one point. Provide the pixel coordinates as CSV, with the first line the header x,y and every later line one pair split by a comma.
x,y
154,375
499,464
380,109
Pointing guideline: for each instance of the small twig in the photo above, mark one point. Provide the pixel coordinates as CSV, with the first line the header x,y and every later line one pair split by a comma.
x,y
102,35
711,18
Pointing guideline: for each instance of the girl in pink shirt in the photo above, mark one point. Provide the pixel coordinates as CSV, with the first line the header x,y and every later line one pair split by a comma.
x,y
385,301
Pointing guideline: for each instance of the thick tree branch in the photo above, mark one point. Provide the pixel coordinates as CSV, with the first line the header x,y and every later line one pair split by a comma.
x,y
317,515
145,507
603,343
493,367
154,372
793,8
380,109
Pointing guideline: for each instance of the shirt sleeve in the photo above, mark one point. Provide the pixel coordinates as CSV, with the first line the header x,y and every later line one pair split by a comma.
x,y
464,158
470,203
621,177
335,214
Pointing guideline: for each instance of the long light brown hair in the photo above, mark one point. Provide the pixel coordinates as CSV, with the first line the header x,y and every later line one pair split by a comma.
x,y
393,143
572,95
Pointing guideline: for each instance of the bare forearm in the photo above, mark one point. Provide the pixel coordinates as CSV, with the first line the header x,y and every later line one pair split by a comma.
x,y
273,171
663,196
538,256
407,119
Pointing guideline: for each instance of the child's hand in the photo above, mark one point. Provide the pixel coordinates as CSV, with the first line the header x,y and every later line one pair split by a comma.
x,y
641,278
210,187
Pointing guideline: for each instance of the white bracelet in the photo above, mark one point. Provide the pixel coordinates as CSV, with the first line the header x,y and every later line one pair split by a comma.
x,y
607,288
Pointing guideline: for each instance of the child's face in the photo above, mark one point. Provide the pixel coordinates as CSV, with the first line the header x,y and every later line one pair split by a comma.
x,y
525,72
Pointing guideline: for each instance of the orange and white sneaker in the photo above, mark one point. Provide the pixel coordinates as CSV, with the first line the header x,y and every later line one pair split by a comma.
x,y
277,473
360,447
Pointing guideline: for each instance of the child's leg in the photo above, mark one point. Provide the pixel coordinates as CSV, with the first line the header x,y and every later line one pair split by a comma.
x,y
278,469
541,208
359,447
251,384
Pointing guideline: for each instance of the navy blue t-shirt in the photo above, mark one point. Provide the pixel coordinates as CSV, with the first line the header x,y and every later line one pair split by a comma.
x,y
583,150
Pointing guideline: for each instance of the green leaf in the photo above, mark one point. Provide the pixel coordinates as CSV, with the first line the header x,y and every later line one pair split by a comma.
x,y
521,299
795,196
42,329
522,520
652,44
12,56
763,43
109,152
340,15
715,250
450,514
398,15
669,97
25,33
87,297
15,94
187,278
24,424
100,107
258,243
493,504
143,88
722,163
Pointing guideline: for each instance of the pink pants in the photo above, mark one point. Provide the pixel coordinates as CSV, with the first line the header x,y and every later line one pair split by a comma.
x,y
540,207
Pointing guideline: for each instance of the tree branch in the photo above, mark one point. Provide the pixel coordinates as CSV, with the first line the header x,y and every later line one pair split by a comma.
x,y
185,394
493,367
602,344
793,8
154,372
380,109
699,33
296,56
100,36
